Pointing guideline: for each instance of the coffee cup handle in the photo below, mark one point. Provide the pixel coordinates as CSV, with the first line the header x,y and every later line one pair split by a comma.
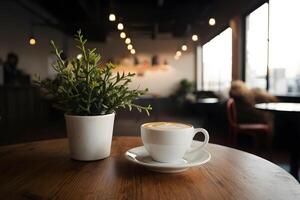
x,y
206,139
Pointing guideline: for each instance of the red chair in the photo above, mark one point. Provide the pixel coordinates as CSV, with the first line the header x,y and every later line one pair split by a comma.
x,y
250,128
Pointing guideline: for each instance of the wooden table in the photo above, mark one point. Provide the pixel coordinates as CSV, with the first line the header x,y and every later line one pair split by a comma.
x,y
43,170
208,100
279,107
292,111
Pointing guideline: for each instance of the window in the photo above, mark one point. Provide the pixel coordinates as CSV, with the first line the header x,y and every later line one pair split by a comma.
x,y
279,56
217,59
284,45
257,47
199,67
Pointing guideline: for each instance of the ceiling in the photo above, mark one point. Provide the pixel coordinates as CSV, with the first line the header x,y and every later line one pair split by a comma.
x,y
141,18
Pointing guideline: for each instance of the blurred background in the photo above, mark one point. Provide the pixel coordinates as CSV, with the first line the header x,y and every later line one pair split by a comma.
x,y
191,55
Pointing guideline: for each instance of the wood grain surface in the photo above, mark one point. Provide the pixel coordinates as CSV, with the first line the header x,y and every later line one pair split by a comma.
x,y
43,170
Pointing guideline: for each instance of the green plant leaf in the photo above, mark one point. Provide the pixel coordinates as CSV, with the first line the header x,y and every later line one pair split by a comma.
x,y
82,87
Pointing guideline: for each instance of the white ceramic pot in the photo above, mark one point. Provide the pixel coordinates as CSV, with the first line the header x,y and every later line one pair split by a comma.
x,y
90,136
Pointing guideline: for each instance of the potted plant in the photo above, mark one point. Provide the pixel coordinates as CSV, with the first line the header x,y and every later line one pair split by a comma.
x,y
184,92
89,94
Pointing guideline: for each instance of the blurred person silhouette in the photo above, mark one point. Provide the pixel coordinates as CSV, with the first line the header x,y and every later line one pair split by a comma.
x,y
12,75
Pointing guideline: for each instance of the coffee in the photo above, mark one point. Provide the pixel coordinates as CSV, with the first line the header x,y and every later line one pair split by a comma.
x,y
166,125
169,141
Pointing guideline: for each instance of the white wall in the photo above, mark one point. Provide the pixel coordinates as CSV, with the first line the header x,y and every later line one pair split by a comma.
x,y
159,82
15,31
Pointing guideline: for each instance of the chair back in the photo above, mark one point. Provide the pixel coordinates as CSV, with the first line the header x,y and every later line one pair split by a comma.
x,y
231,113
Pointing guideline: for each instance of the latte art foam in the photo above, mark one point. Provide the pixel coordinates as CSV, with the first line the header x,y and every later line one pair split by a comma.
x,y
166,125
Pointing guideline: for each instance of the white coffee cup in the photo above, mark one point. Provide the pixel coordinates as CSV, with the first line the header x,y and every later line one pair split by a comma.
x,y
169,141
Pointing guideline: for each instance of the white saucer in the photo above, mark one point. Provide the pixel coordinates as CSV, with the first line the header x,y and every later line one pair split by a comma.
x,y
140,156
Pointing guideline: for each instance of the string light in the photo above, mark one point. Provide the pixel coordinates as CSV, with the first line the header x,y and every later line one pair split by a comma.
x,y
176,57
79,56
132,51
120,26
129,47
32,41
184,47
195,38
123,35
127,41
112,17
178,53
212,21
